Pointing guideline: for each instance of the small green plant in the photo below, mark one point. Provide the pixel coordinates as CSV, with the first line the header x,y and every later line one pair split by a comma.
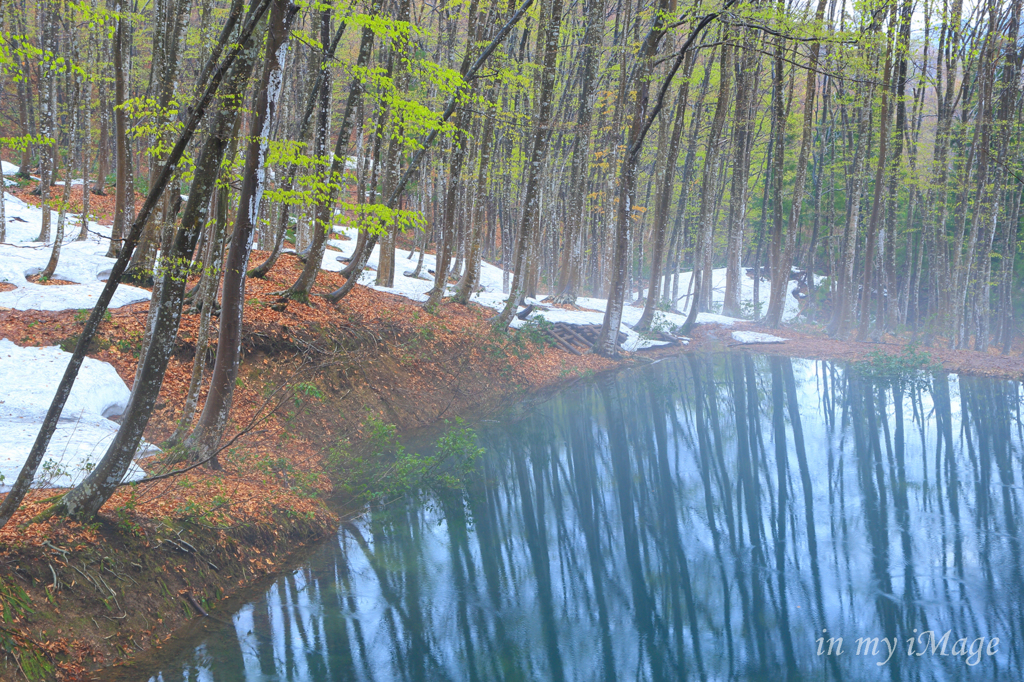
x,y
388,471
30,660
905,364
124,516
308,389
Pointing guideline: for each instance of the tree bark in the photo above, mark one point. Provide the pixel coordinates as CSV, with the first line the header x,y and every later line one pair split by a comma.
x,y
124,194
780,279
664,196
705,226
324,211
13,499
569,270
206,437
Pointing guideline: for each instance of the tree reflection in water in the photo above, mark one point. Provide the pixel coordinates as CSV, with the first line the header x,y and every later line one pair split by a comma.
x,y
706,518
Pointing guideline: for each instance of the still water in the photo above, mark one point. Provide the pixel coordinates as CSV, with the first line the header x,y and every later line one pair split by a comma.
x,y
708,518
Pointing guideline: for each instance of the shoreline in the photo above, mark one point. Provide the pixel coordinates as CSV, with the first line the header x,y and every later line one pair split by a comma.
x,y
379,358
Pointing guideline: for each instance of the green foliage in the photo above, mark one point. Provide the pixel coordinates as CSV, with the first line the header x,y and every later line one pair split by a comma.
x,y
14,606
533,333
908,363
660,325
387,471
308,389
125,524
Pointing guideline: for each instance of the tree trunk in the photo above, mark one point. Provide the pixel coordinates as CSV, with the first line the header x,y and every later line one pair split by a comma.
x,y
459,149
205,439
324,211
742,140
780,279
539,150
839,324
876,204
103,150
124,194
13,499
58,239
664,196
705,225
572,252
607,343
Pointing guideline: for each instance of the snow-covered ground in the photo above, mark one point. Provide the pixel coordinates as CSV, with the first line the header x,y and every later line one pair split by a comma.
x,y
492,296
29,381
29,376
81,262
756,337
789,313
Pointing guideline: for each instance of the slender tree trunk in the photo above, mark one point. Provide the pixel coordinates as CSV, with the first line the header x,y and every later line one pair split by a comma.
x,y
780,278
206,437
839,324
124,194
213,261
58,239
667,185
103,149
539,147
876,204
85,139
572,252
324,211
460,147
742,141
607,344
705,226
13,499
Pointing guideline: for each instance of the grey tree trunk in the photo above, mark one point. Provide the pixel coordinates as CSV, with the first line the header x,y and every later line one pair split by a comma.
x,y
667,185
535,168
124,194
448,229
86,499
572,253
13,499
324,212
876,204
206,437
709,184
780,279
742,141
607,343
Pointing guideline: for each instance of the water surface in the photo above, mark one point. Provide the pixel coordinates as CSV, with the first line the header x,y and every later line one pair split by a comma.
x,y
708,518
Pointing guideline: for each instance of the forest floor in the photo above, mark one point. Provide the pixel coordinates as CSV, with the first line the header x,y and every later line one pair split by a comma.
x,y
314,382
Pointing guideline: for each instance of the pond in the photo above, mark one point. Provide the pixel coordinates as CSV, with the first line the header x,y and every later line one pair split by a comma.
x,y
722,517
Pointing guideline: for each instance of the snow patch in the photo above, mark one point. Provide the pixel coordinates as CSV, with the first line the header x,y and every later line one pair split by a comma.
x,y
83,262
492,295
757,337
30,379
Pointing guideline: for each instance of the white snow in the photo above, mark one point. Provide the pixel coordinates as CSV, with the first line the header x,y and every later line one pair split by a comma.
x,y
757,337
9,168
82,262
790,311
30,379
492,296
